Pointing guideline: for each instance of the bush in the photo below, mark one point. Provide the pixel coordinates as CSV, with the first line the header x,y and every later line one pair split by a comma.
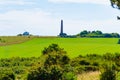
x,y
109,56
7,75
69,76
53,48
38,74
54,65
91,68
108,73
84,62
119,41
53,73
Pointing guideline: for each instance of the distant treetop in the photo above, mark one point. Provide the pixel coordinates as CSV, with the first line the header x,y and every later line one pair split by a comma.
x,y
26,33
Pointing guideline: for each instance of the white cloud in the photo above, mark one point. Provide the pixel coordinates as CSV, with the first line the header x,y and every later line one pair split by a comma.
x,y
40,22
82,1
75,26
35,21
15,2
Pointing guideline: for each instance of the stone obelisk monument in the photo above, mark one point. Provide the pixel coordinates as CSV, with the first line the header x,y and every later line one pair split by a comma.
x,y
61,31
62,34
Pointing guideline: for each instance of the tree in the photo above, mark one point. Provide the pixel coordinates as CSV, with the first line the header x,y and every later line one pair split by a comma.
x,y
115,3
116,35
53,48
97,34
41,73
84,33
119,41
54,65
19,35
109,72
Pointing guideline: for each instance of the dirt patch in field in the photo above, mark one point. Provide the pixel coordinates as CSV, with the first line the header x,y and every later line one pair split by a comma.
x,y
89,76
9,40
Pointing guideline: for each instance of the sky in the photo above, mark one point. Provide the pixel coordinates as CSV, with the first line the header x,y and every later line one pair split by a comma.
x,y
42,17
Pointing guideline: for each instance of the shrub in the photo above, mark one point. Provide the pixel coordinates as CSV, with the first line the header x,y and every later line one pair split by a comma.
x,y
7,75
41,73
38,74
84,62
54,65
109,56
53,48
119,41
69,76
108,73
91,68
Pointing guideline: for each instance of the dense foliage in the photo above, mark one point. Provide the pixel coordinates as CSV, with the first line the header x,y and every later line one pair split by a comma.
x,y
16,68
98,34
6,74
54,65
108,73
54,61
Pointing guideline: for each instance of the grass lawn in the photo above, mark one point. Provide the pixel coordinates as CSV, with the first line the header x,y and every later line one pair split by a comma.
x,y
73,46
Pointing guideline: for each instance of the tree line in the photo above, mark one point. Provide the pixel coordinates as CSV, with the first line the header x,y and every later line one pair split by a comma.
x,y
97,34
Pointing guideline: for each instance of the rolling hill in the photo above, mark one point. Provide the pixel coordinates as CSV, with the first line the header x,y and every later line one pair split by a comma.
x,y
73,46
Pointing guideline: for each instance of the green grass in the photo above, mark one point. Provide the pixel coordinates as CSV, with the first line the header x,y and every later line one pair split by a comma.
x,y
73,46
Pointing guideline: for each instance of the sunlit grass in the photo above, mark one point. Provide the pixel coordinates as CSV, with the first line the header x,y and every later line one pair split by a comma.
x,y
73,46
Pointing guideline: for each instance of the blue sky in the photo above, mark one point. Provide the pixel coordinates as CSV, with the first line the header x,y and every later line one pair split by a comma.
x,y
42,17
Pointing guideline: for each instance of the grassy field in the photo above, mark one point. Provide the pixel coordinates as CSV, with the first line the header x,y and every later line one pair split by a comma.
x,y
8,40
73,46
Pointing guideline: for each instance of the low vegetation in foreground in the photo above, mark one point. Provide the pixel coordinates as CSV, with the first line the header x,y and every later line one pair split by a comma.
x,y
54,64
